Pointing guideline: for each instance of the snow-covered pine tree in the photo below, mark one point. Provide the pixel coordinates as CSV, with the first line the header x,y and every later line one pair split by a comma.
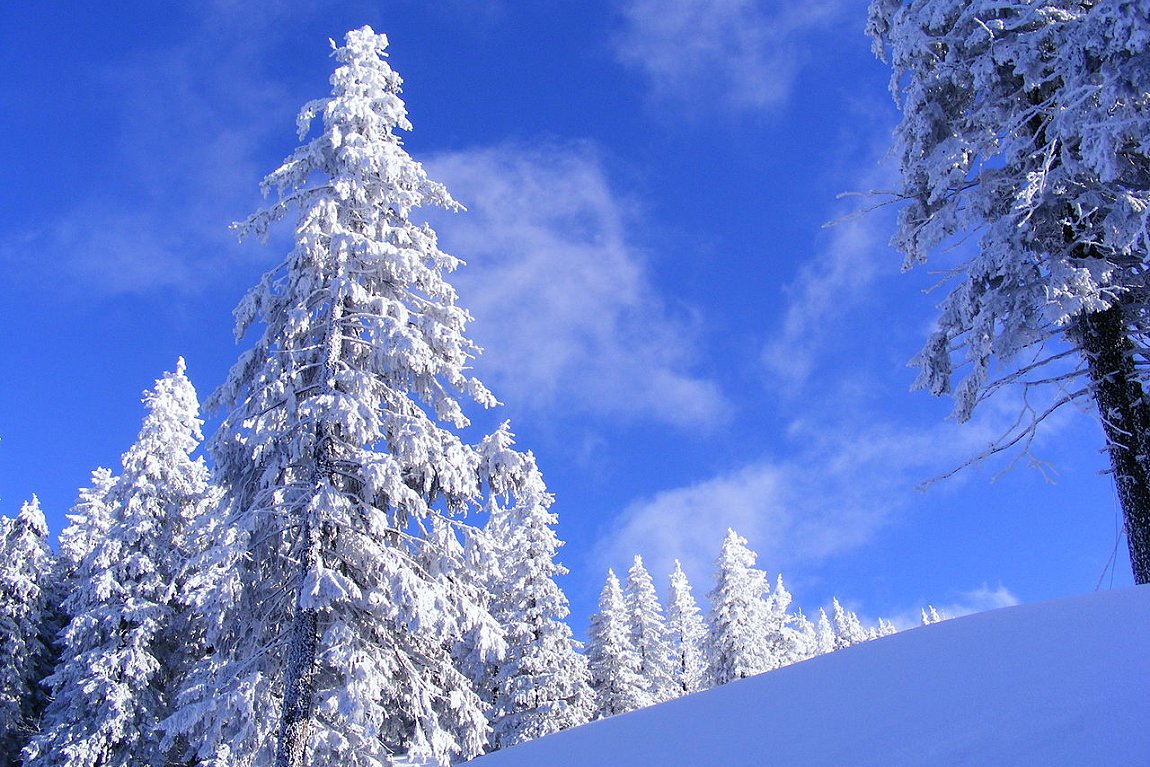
x,y
27,624
738,620
542,684
781,627
884,628
341,454
464,557
1025,125
88,522
688,633
805,637
848,628
125,641
931,615
611,658
824,634
649,634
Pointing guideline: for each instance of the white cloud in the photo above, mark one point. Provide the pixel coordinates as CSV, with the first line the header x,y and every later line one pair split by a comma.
x,y
959,604
825,290
185,125
841,486
745,53
979,600
848,262
562,300
109,252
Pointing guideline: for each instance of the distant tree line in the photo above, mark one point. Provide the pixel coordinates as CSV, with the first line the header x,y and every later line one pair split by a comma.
x,y
640,653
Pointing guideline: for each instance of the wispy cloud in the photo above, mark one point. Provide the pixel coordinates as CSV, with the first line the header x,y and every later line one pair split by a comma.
x,y
745,54
958,604
185,130
835,493
849,260
979,600
561,295
103,251
826,289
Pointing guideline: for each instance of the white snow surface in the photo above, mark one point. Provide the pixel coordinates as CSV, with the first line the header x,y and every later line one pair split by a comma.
x,y
1057,683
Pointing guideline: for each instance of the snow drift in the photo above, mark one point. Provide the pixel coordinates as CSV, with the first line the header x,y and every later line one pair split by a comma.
x,y
1059,683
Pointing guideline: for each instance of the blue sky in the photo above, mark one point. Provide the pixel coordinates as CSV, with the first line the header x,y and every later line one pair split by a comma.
x,y
675,331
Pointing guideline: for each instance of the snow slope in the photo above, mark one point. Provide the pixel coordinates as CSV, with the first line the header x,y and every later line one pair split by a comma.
x,y
1059,683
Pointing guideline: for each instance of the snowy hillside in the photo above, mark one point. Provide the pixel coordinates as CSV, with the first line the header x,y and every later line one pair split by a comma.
x,y
1060,683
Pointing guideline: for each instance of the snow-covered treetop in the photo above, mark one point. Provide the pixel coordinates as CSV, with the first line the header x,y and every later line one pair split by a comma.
x,y
31,519
172,424
360,265
1026,124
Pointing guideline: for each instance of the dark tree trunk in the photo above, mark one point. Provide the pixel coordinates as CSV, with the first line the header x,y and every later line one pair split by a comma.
x,y
299,692
300,674
1125,416
299,687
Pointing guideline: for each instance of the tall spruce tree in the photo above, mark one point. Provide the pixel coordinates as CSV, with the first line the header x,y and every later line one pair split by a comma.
x,y
123,643
343,463
542,684
805,638
88,522
783,629
27,624
824,634
687,632
649,633
611,657
1024,127
884,628
848,628
737,642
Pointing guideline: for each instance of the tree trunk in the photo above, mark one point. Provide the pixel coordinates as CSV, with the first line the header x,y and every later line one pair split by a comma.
x,y
1125,416
299,684
299,687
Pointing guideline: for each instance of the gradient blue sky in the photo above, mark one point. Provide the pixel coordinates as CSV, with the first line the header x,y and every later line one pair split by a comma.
x,y
675,333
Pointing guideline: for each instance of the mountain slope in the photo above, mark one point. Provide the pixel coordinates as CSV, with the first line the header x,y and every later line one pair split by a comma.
x,y
1059,683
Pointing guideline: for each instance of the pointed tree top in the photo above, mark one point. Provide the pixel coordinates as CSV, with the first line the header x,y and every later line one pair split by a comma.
x,y
32,518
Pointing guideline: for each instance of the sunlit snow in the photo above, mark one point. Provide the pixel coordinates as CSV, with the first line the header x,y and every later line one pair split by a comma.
x,y
1058,683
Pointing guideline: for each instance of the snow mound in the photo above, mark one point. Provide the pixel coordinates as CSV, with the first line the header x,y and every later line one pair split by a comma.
x,y
1059,683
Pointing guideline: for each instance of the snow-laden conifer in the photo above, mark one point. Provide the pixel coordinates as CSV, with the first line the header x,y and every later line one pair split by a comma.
x,y
649,634
688,633
125,640
737,642
88,521
783,630
27,622
824,634
541,684
1024,130
931,615
805,638
611,658
464,557
334,639
884,628
848,628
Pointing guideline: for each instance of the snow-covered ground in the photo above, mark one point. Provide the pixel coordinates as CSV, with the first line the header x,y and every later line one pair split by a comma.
x,y
1060,683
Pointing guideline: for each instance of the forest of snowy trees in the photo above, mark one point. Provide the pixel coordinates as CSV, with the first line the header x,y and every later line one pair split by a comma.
x,y
350,582
343,578
128,675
